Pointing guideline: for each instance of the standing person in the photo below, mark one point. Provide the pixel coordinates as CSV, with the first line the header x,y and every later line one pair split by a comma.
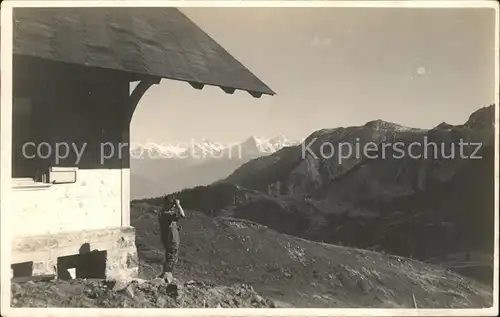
x,y
169,231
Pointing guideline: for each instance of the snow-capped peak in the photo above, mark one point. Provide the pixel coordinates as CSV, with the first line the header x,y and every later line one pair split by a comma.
x,y
203,148
153,149
271,145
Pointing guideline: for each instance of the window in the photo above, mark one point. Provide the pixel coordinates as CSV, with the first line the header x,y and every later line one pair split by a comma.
x,y
27,132
22,133
37,126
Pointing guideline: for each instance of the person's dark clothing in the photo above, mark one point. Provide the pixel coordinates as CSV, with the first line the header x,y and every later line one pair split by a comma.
x,y
169,233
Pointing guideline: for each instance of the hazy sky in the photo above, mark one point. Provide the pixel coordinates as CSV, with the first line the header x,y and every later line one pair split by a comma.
x,y
331,67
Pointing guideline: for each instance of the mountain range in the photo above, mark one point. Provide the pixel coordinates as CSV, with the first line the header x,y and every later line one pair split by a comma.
x,y
437,209
158,169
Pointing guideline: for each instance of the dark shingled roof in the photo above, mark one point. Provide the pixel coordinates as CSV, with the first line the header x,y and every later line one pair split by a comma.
x,y
161,42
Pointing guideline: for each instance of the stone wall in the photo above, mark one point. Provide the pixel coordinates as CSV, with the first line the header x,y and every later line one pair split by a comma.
x,y
120,259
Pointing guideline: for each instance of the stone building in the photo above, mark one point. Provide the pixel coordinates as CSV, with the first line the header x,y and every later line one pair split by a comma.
x,y
65,137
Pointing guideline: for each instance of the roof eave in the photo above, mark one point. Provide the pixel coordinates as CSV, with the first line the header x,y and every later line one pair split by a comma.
x,y
197,85
230,90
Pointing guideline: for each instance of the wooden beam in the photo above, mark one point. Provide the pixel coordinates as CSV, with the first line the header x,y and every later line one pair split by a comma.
x,y
255,94
228,90
138,92
196,85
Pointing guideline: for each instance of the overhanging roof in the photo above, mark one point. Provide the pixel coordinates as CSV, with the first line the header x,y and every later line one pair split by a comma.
x,y
160,42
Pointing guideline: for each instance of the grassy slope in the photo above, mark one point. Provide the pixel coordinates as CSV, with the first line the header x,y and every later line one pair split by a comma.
x,y
292,270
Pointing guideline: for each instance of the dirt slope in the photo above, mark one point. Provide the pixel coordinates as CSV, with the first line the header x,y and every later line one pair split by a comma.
x,y
299,272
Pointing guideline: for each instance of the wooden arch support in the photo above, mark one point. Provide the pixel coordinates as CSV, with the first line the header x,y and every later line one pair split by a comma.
x,y
138,92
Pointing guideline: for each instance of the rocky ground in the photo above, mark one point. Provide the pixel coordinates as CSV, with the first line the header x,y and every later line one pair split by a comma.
x,y
135,294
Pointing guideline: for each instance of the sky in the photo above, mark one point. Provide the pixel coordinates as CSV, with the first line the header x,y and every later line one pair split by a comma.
x,y
330,67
